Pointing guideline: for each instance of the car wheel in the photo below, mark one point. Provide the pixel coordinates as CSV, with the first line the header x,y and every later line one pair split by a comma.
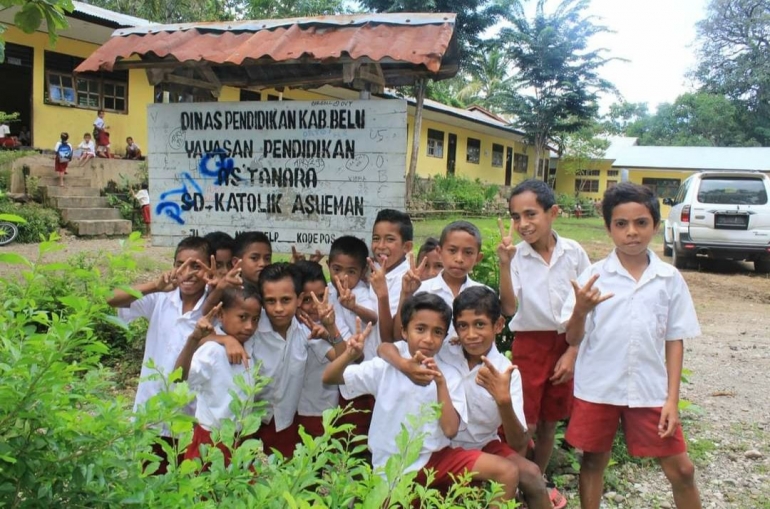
x,y
762,266
679,260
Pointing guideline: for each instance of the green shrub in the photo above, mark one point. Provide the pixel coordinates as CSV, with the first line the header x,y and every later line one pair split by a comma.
x,y
5,179
459,193
9,156
40,221
69,439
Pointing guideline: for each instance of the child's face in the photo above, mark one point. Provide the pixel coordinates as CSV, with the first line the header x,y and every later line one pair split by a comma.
x,y
476,332
280,301
531,222
224,259
631,228
344,266
240,320
425,332
433,264
190,281
87,137
256,257
459,254
129,141
307,304
387,244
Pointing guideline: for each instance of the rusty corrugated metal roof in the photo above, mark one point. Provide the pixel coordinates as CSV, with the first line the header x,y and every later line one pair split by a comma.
x,y
402,41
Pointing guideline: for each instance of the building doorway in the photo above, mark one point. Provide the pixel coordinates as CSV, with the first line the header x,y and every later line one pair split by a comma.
x,y
508,165
16,74
451,155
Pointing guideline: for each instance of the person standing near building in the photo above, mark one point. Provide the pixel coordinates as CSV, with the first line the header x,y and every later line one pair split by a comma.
x,y
101,136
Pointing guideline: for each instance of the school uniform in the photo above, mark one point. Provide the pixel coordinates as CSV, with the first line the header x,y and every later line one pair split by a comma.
x,y
396,398
539,341
283,362
481,420
316,397
143,197
438,286
346,319
394,279
212,378
621,366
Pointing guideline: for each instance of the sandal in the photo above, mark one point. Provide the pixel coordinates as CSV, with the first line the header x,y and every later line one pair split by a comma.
x,y
558,500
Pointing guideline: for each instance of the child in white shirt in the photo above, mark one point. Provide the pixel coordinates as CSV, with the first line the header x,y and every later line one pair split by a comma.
x,y
426,318
629,313
87,149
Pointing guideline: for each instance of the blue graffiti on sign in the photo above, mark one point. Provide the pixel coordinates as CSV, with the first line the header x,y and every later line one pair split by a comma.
x,y
172,209
218,164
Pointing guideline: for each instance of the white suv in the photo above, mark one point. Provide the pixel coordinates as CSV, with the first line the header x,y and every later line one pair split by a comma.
x,y
720,214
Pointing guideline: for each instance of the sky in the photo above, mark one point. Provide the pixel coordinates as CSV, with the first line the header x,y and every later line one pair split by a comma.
x,y
657,37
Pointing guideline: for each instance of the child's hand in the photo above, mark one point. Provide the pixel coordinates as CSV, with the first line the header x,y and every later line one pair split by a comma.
x,y
565,367
233,277
209,271
205,324
346,298
669,419
317,330
236,354
506,249
418,372
296,256
166,282
377,280
355,348
588,297
325,310
497,384
411,281
430,364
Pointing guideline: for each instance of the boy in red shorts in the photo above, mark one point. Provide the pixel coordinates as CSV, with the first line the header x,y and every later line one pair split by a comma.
x,y
535,280
629,314
143,197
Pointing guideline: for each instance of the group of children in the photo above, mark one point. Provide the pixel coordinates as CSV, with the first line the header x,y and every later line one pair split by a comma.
x,y
393,335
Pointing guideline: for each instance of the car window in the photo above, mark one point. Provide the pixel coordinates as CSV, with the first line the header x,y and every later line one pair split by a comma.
x,y
732,191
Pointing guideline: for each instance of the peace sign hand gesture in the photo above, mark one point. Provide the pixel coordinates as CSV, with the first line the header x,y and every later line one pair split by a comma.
x,y
210,272
205,324
169,280
411,281
296,256
588,297
506,249
355,342
317,331
325,310
346,298
233,277
377,280
497,383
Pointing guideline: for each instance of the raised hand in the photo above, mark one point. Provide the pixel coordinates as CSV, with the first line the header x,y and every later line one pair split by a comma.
x,y
417,370
377,279
411,281
497,383
210,271
588,297
317,330
346,298
296,256
506,249
233,278
167,281
324,309
205,324
356,342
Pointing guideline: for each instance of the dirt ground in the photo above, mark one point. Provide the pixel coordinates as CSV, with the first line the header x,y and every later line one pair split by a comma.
x,y
729,432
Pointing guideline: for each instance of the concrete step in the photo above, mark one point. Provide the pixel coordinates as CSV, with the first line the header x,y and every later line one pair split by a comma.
x,y
69,181
43,172
78,202
56,191
70,215
106,227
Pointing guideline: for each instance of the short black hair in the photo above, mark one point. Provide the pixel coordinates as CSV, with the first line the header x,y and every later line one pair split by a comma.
x,y
145,186
231,295
245,239
310,271
220,240
461,226
276,272
479,299
401,219
425,301
196,244
542,191
430,245
349,245
628,192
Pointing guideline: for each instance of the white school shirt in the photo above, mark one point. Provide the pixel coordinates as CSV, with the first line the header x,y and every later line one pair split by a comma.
x,y
540,288
317,396
212,378
89,147
437,286
622,359
283,361
167,334
396,397
481,417
99,123
143,197
393,279
4,130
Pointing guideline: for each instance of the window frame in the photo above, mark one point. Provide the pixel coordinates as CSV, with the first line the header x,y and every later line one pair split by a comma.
x,y
475,156
115,97
517,166
62,65
435,144
62,100
500,153
592,183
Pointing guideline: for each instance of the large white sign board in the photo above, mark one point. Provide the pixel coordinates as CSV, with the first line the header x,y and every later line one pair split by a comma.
x,y
302,172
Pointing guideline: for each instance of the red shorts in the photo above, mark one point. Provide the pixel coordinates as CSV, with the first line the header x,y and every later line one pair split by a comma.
x,y
314,425
361,416
536,354
283,441
59,166
203,436
448,462
146,214
592,428
499,448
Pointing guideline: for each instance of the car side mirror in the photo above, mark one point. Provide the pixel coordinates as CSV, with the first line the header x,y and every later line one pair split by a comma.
x,y
668,201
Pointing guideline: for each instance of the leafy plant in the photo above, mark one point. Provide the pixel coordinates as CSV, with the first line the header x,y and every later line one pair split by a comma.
x,y
40,222
459,193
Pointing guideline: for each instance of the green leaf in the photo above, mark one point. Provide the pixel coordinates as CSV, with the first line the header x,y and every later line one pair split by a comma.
x,y
28,19
14,259
12,218
114,320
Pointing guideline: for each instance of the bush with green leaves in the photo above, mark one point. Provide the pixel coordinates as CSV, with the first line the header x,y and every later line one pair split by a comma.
x,y
68,438
40,221
459,193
